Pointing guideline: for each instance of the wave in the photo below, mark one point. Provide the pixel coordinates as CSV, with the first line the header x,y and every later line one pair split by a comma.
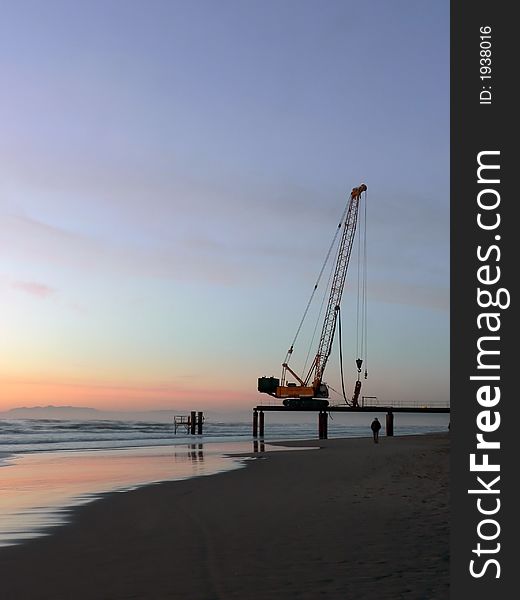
x,y
30,435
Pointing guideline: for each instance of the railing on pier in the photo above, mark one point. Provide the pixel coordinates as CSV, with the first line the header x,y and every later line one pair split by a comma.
x,y
375,402
370,402
181,421
192,423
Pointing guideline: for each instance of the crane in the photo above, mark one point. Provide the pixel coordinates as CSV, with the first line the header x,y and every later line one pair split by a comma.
x,y
310,391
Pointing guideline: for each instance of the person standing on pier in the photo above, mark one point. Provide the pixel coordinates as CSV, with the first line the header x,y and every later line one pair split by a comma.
x,y
375,426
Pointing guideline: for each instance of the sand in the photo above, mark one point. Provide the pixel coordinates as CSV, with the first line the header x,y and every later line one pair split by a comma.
x,y
353,520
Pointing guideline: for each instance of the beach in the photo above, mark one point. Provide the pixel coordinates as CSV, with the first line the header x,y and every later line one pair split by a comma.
x,y
349,519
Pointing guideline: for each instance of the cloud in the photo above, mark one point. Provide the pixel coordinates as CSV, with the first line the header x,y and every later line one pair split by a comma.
x,y
181,258
34,288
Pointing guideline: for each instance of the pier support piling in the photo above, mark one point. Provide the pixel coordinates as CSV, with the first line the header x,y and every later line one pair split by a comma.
x,y
200,420
193,420
255,423
389,423
261,424
322,425
325,425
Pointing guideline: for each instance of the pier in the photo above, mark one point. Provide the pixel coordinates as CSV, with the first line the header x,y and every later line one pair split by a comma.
x,y
191,423
368,404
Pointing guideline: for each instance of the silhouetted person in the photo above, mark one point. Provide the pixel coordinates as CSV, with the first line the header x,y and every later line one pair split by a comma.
x,y
375,427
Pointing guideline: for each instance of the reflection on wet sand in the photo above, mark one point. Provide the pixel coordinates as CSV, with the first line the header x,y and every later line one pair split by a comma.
x,y
258,446
194,453
38,490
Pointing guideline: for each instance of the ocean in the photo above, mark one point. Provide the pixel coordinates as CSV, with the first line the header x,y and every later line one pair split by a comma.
x,y
49,467
46,435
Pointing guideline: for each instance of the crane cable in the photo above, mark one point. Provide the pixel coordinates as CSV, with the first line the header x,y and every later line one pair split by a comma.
x,y
361,309
289,352
361,331
341,359
326,294
364,348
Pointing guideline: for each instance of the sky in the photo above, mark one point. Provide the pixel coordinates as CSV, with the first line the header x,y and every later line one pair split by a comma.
x,y
172,174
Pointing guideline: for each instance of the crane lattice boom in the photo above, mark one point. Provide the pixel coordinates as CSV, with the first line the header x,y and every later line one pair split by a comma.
x,y
338,283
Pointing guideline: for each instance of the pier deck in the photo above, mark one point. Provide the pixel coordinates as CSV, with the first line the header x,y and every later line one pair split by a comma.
x,y
323,414
395,409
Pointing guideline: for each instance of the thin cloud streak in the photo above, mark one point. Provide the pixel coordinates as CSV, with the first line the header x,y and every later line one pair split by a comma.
x,y
33,288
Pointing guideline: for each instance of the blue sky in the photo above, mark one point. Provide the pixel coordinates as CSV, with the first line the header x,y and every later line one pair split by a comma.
x,y
172,175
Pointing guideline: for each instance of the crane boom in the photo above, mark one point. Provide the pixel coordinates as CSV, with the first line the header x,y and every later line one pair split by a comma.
x,y
336,290
307,390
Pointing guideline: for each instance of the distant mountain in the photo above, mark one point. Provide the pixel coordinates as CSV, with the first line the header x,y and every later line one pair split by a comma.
x,y
78,413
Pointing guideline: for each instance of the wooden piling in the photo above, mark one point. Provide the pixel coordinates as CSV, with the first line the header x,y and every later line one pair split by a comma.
x,y
255,423
389,423
325,425
193,420
261,423
322,425
200,420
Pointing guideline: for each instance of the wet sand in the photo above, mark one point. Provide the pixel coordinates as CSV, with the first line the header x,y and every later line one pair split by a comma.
x,y
352,521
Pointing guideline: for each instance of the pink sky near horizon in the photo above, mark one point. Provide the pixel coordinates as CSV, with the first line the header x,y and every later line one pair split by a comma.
x,y
20,392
